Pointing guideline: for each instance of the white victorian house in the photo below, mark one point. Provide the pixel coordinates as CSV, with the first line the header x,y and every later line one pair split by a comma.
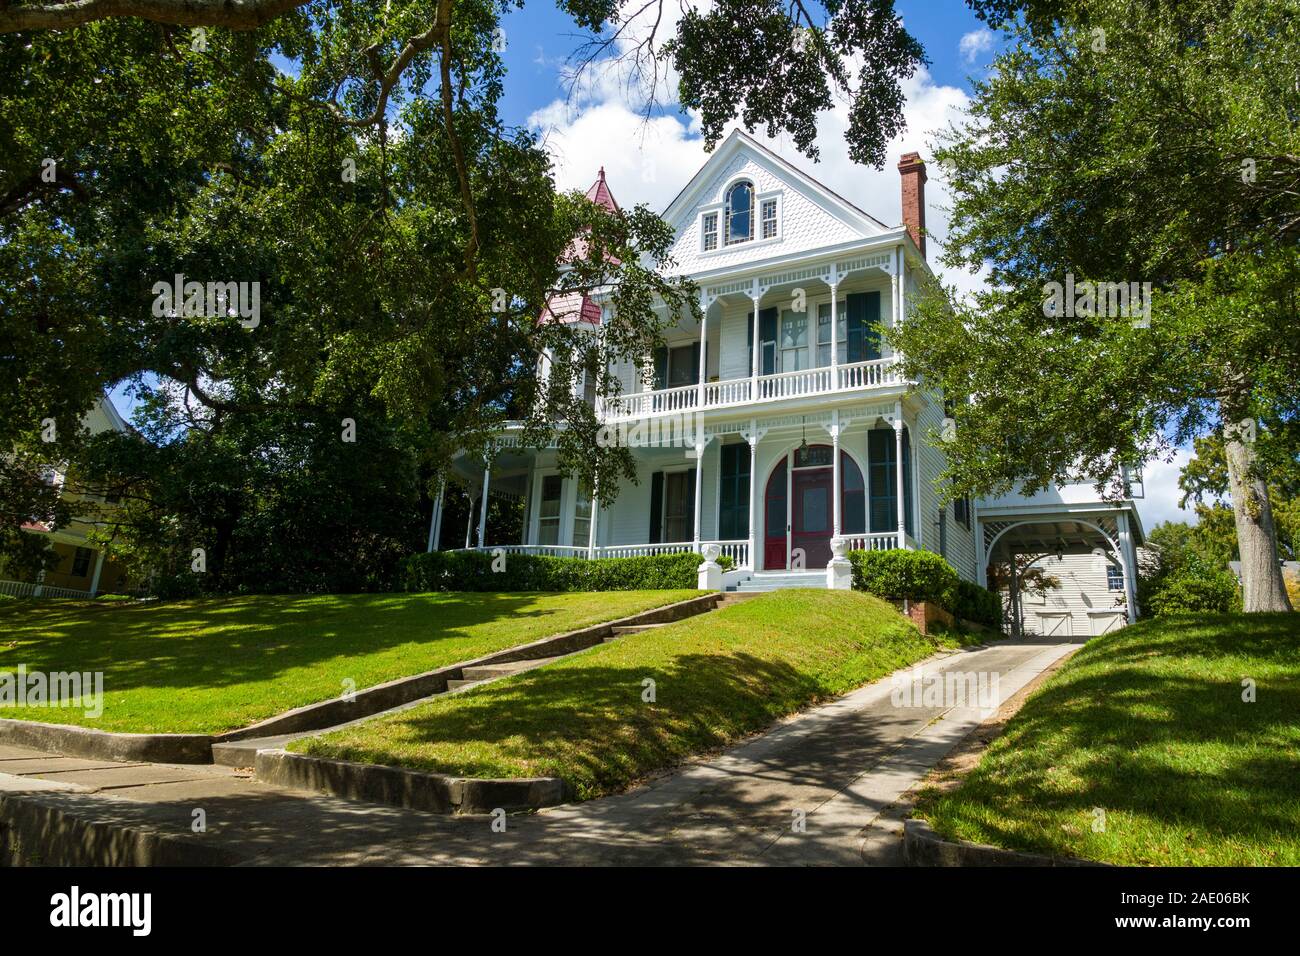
x,y
800,428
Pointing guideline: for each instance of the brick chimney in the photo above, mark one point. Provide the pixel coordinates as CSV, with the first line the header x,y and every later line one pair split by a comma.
x,y
911,171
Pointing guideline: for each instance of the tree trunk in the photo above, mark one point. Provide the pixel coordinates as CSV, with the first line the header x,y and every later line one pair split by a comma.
x,y
1262,586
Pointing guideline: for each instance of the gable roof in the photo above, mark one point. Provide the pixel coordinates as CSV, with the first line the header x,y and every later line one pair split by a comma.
x,y
738,140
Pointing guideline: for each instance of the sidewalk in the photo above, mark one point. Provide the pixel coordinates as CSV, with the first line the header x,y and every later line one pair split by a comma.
x,y
839,766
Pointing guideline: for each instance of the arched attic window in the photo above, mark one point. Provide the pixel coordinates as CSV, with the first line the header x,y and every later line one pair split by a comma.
x,y
740,213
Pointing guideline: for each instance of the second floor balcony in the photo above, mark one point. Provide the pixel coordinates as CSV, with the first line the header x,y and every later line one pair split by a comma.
x,y
736,392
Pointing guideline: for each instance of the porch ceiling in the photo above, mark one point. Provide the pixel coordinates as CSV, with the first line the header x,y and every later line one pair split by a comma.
x,y
1049,536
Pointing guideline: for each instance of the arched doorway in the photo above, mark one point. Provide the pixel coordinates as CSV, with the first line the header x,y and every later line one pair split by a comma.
x,y
798,508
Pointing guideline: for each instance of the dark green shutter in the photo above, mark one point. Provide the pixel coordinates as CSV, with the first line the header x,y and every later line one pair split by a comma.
x,y
907,485
661,367
880,466
733,507
656,507
690,505
767,337
695,364
862,324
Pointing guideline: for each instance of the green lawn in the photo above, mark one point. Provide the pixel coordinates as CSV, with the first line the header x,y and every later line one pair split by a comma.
x,y
206,666
1149,725
717,678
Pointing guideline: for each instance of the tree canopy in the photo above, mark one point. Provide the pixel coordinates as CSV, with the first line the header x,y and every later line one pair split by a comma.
x,y
1151,143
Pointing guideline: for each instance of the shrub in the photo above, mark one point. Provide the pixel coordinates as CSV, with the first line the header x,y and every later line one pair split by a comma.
x,y
904,575
899,575
473,571
1206,591
977,604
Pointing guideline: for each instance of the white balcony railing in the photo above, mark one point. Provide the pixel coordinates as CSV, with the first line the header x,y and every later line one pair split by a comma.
x,y
877,373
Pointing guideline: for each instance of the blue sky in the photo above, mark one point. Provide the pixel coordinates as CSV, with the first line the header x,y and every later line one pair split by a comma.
x,y
650,161
539,37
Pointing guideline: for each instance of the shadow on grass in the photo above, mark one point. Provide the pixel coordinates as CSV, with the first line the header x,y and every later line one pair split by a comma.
x,y
221,642
1149,724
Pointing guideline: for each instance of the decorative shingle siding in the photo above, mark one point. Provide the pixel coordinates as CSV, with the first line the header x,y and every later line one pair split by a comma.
x,y
804,224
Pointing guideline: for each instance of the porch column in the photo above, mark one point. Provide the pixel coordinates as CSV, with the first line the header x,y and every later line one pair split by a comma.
x,y
898,474
835,340
99,569
704,350
1127,559
595,511
758,348
699,491
835,472
483,503
435,519
1014,594
902,285
469,524
752,438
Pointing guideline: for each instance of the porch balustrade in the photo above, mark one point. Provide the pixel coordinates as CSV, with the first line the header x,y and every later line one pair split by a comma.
x,y
878,373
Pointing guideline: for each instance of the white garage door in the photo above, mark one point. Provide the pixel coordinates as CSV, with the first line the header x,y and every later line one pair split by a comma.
x,y
1054,625
1105,623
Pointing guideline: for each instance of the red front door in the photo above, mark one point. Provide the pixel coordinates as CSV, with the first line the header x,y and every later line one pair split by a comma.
x,y
810,514
797,512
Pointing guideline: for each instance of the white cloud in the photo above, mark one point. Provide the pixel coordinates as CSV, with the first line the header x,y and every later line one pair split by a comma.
x,y
1160,482
650,161
975,43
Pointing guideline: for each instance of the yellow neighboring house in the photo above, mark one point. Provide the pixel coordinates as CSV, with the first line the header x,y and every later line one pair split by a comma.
x,y
83,569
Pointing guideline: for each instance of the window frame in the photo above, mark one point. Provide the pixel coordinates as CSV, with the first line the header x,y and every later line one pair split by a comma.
x,y
763,220
728,213
706,233
83,557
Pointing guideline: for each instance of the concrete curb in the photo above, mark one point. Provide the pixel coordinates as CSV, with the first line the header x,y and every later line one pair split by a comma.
x,y
404,690
35,830
922,846
408,789
103,745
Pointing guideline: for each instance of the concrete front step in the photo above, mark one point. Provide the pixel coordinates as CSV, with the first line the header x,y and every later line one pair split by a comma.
x,y
484,672
777,581
633,629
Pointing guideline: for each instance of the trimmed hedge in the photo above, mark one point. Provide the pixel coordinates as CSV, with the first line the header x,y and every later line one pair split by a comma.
x,y
473,571
899,575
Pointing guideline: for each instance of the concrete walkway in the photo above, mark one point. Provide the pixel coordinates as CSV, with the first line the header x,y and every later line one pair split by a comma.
x,y
815,790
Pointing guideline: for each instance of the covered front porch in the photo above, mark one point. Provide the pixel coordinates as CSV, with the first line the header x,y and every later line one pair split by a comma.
x,y
771,494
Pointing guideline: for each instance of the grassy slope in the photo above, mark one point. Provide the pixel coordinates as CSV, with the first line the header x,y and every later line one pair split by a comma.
x,y
206,666
1148,724
717,677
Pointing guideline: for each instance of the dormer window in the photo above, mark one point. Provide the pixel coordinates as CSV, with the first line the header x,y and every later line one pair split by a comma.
x,y
740,213
709,231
